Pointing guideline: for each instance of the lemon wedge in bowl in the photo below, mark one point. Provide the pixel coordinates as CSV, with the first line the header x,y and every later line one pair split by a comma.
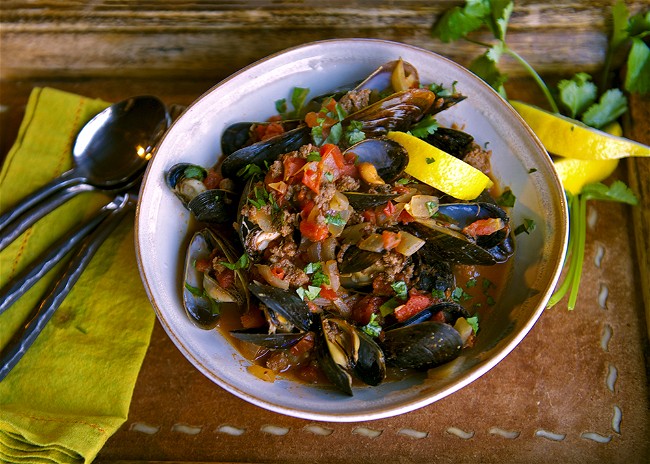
x,y
441,170
568,137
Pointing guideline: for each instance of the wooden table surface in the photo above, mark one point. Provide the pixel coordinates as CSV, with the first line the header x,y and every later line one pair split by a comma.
x,y
574,390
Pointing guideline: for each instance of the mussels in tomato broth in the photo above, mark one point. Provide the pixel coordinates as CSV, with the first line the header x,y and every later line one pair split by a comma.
x,y
340,265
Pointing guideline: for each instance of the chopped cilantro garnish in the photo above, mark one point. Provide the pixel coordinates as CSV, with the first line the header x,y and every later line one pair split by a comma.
x,y
507,199
313,267
353,133
430,160
313,156
249,170
194,290
261,197
527,226
309,293
428,125
473,321
242,263
432,207
471,283
532,170
372,328
195,172
402,181
459,295
400,289
329,176
335,220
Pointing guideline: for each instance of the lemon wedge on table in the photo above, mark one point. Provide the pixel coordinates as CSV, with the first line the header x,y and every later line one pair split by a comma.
x,y
441,170
568,137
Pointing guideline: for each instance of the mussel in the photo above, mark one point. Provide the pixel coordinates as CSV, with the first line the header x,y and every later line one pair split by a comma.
x,y
388,157
455,142
421,346
285,309
255,236
208,286
265,151
216,206
449,234
343,350
240,134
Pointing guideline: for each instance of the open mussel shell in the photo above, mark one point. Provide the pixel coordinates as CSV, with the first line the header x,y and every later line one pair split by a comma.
x,y
370,367
186,181
283,306
421,346
272,341
202,295
380,80
432,274
444,240
357,260
253,239
239,134
387,156
450,311
394,113
265,151
338,351
455,142
361,201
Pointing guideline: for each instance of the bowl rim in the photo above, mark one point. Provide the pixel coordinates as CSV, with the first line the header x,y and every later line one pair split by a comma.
x,y
555,261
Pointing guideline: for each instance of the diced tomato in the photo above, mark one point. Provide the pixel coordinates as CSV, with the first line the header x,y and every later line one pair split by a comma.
x,y
484,227
212,179
404,217
226,278
307,209
277,272
311,119
254,317
313,231
309,374
365,308
389,209
370,216
416,303
293,169
328,293
332,152
390,239
203,265
311,176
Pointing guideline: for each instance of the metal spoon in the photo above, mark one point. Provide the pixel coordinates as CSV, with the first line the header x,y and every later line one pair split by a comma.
x,y
110,153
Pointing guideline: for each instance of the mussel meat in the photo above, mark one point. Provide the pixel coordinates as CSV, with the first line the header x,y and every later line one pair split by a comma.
x,y
388,157
209,283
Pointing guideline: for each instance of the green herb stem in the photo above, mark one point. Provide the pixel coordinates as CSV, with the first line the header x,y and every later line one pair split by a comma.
x,y
578,259
540,82
571,254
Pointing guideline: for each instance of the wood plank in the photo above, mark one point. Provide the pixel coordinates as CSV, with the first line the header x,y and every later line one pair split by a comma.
x,y
214,38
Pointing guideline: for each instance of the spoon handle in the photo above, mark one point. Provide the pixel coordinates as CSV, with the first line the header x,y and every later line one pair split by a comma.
x,y
65,180
15,225
24,339
23,281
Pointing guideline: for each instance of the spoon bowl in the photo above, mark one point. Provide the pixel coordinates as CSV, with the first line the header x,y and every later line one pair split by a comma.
x,y
110,152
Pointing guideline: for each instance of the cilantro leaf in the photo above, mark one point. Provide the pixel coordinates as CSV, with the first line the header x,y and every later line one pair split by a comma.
x,y
473,321
577,94
620,32
458,22
527,226
611,106
486,68
507,199
428,125
310,293
400,289
195,172
242,263
637,78
501,11
298,97
335,219
353,133
618,192
249,170
372,328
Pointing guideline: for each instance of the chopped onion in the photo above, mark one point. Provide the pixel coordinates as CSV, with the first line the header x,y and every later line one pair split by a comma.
x,y
331,270
328,250
339,202
463,328
374,242
409,244
272,279
263,219
422,206
354,234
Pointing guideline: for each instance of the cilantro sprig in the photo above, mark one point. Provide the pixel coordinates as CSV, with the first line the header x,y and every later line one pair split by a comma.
x,y
618,192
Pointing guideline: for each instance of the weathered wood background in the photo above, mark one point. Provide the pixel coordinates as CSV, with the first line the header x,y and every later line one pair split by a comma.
x,y
211,39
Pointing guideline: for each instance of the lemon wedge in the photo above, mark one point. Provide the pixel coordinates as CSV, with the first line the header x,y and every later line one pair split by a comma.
x,y
576,173
567,137
441,170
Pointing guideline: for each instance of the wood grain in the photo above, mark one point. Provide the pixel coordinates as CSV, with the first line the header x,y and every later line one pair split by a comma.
x,y
214,38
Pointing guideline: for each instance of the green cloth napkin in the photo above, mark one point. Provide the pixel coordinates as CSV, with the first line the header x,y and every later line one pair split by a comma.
x,y
72,389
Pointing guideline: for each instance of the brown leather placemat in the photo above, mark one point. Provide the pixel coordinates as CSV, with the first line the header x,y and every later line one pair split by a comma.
x,y
574,390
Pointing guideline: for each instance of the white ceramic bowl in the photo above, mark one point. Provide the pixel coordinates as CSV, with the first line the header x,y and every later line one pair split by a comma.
x,y
249,95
